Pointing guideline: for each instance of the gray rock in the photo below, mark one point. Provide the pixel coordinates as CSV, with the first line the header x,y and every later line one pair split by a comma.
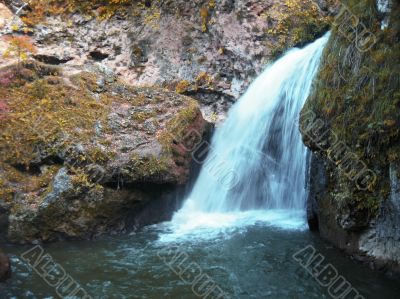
x,y
62,183
382,240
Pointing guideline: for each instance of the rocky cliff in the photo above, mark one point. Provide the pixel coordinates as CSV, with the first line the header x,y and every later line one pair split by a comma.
x,y
351,123
210,50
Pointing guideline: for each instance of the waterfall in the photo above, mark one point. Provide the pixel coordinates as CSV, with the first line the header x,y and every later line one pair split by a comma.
x,y
257,161
384,7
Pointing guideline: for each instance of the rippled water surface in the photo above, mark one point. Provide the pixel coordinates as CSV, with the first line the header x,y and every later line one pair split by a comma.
x,y
248,259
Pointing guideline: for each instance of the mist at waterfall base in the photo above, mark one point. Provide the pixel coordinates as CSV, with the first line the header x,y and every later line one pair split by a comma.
x,y
241,224
256,168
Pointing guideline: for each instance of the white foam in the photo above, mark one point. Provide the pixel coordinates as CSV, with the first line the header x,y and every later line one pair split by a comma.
x,y
204,226
260,149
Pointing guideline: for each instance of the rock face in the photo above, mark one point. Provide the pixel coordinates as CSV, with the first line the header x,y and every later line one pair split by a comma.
x,y
207,49
84,154
316,186
5,267
351,123
378,243
382,240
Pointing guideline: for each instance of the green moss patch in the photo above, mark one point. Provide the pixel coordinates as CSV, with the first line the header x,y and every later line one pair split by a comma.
x,y
357,95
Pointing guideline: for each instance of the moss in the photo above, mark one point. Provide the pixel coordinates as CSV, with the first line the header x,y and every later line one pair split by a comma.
x,y
46,120
184,117
140,100
149,166
152,15
85,81
177,127
6,191
102,9
356,93
204,14
13,180
296,23
204,79
39,89
142,116
81,181
99,156
165,138
182,86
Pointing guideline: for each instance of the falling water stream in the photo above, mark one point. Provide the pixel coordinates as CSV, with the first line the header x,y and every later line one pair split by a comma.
x,y
257,157
240,225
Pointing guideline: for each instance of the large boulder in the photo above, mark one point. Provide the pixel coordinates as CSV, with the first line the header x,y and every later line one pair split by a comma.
x,y
84,154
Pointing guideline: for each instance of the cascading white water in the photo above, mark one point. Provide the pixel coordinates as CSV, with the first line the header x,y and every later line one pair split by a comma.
x,y
257,161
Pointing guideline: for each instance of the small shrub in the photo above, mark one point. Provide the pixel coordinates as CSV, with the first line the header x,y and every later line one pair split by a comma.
x,y
182,86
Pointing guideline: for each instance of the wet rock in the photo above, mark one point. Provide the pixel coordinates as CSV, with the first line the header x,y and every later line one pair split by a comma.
x,y
316,188
5,267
